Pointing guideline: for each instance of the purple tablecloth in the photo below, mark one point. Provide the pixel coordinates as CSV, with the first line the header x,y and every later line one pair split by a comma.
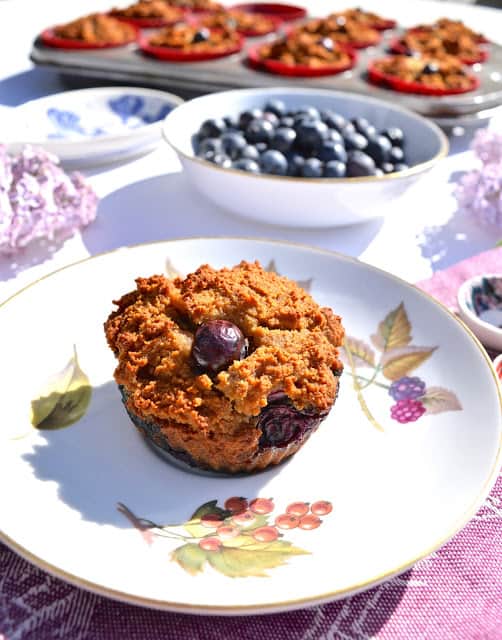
x,y
454,594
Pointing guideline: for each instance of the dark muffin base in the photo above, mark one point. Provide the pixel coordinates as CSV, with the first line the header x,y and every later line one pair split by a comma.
x,y
267,457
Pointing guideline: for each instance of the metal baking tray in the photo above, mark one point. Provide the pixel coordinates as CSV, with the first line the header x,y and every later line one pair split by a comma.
x,y
128,64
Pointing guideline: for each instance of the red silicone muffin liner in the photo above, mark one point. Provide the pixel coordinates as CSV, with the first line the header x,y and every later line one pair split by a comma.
x,y
175,55
276,23
396,46
362,44
149,23
388,81
297,70
383,25
49,39
284,12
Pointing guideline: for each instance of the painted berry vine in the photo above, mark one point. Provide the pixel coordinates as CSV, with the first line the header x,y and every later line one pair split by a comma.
x,y
387,361
242,538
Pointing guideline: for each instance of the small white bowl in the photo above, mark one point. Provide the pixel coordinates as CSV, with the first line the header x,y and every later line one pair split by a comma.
x,y
91,126
302,202
477,308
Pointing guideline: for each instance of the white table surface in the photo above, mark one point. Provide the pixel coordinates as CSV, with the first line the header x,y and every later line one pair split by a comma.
x,y
150,199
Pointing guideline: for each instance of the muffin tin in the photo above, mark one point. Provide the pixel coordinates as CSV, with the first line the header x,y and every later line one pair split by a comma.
x,y
129,64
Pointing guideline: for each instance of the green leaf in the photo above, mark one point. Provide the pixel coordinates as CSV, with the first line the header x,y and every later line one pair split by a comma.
x,y
394,331
362,354
253,561
190,557
400,362
437,400
64,400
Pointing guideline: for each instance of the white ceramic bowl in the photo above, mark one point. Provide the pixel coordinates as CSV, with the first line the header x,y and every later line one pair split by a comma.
x,y
91,126
486,323
302,202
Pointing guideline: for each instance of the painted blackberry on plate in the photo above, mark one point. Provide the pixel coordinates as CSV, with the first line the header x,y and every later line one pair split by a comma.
x,y
388,359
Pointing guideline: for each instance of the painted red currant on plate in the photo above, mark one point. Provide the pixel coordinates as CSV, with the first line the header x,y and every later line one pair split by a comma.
x,y
261,505
245,518
226,531
309,522
298,508
287,521
321,508
211,520
210,544
236,505
266,534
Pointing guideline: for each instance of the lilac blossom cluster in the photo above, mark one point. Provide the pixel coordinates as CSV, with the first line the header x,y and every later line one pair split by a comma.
x,y
479,192
39,200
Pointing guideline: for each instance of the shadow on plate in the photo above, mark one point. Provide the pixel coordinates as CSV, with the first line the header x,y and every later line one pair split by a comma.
x,y
456,240
167,206
102,460
29,85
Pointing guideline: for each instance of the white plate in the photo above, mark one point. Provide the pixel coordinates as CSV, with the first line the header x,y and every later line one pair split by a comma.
x,y
92,125
398,490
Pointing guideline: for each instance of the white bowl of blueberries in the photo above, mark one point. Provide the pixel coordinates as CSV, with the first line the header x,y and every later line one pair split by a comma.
x,y
301,157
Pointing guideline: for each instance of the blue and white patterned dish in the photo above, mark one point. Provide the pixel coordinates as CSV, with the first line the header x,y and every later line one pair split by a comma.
x,y
95,125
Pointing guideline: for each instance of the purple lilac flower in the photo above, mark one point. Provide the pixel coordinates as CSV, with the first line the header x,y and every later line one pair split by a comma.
x,y
39,200
487,145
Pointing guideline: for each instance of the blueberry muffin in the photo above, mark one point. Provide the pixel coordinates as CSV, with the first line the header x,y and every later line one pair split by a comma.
x,y
229,370
96,29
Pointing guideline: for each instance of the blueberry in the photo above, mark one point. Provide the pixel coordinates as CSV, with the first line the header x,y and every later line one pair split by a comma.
x,y
348,129
222,160
370,132
209,145
261,146
355,142
312,168
379,149
251,152
395,135
202,35
400,166
335,169
231,122
332,151
272,118
274,162
295,165
247,116
334,136
378,172
430,68
327,43
246,164
217,343
359,164
281,423
311,134
283,139
360,124
212,128
396,155
333,120
309,112
233,144
259,130
276,106
387,167
287,121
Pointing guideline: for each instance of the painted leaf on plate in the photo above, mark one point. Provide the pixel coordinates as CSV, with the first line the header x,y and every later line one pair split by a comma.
x,y
438,399
245,562
190,557
362,354
400,362
64,400
394,331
